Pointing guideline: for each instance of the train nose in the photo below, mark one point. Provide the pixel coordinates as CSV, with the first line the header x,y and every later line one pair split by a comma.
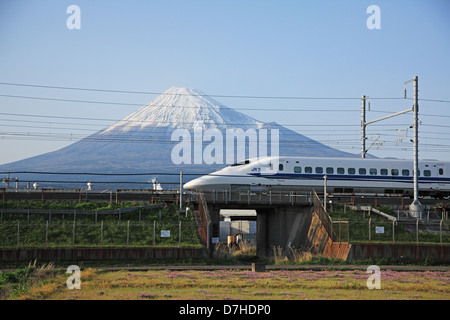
x,y
191,185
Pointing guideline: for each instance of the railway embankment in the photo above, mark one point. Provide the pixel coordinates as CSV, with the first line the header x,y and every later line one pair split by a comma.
x,y
320,241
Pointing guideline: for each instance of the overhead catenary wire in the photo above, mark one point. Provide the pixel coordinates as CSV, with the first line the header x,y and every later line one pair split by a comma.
x,y
208,95
201,95
53,135
344,144
169,106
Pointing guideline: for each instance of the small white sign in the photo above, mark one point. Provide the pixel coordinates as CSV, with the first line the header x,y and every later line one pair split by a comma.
x,y
379,229
215,239
165,233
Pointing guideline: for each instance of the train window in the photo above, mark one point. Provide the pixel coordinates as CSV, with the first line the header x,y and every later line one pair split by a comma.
x,y
427,173
308,170
362,170
340,170
394,172
351,170
330,170
384,172
298,169
373,171
441,171
241,163
319,170
405,172
280,167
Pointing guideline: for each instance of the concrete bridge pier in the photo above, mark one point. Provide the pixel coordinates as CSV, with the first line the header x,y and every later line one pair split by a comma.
x,y
283,227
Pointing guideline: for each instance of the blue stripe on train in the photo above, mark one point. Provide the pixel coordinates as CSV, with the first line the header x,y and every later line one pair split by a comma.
x,y
295,176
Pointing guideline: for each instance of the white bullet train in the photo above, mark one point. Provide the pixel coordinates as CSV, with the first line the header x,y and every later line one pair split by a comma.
x,y
343,175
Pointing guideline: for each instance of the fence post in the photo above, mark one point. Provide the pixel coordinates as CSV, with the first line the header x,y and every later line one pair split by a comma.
x,y
73,233
393,231
179,234
101,233
440,231
339,230
128,232
154,232
417,231
348,231
46,233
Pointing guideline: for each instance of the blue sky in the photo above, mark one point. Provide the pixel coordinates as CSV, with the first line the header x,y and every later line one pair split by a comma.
x,y
319,49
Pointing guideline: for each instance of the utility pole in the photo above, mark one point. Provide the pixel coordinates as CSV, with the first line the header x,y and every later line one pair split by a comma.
x,y
363,127
181,193
416,208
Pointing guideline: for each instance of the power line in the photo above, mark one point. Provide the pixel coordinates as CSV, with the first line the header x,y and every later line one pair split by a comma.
x,y
309,143
201,95
128,123
210,95
173,122
68,100
170,106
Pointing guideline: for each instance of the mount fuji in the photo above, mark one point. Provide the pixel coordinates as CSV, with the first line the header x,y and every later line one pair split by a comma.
x,y
143,142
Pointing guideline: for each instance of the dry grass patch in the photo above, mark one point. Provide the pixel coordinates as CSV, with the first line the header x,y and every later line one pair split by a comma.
x,y
234,284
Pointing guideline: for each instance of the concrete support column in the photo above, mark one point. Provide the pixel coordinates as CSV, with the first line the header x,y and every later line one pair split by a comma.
x,y
262,217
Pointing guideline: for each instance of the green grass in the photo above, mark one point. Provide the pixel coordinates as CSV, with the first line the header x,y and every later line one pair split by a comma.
x,y
64,205
358,228
14,284
32,228
141,227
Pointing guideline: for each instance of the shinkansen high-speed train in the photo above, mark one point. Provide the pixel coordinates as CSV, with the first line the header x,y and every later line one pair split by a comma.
x,y
344,175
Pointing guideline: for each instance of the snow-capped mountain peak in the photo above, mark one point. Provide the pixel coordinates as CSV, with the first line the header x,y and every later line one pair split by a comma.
x,y
183,108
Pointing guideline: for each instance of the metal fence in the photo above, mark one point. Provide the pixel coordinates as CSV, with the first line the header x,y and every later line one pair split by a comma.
x,y
250,196
49,214
125,233
403,231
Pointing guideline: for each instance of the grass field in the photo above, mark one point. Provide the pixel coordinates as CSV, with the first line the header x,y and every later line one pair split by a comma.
x,y
237,285
142,227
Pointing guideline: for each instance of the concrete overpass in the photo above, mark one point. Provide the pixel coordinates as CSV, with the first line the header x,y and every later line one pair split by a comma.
x,y
283,218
